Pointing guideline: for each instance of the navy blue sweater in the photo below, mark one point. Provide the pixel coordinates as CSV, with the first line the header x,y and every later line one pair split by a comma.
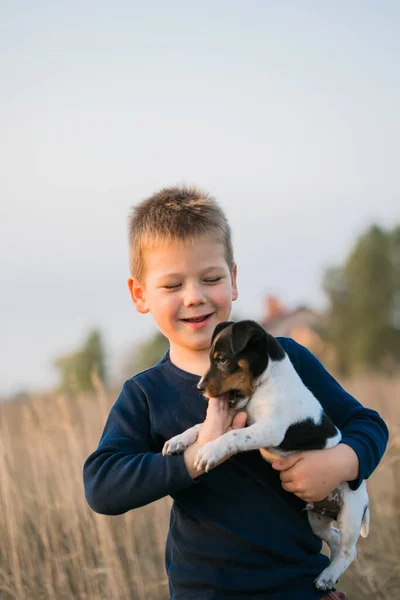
x,y
234,532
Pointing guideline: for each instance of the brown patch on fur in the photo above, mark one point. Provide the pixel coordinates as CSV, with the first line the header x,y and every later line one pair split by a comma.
x,y
244,365
218,382
330,507
237,381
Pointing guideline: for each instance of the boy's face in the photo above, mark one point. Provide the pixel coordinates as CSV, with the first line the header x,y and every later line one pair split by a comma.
x,y
188,288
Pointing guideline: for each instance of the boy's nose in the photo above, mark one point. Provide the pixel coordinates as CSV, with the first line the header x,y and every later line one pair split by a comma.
x,y
193,296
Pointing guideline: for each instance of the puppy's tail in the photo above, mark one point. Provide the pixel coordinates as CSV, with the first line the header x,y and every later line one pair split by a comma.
x,y
365,523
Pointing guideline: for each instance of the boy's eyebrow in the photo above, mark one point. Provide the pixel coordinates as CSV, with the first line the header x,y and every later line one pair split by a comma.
x,y
164,275
213,268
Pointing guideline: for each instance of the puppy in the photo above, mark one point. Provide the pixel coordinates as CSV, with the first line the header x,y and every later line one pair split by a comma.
x,y
250,367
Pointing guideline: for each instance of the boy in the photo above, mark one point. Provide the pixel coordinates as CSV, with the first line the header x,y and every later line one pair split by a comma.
x,y
239,530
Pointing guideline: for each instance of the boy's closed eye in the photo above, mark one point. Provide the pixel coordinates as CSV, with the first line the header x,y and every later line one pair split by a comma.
x,y
176,286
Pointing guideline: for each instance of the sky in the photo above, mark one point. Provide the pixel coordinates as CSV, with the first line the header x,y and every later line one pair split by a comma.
x,y
288,112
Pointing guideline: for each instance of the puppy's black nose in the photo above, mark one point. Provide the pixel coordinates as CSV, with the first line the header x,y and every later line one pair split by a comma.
x,y
201,386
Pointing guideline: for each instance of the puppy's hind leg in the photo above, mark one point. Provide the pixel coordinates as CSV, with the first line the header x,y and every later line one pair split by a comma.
x,y
349,522
322,527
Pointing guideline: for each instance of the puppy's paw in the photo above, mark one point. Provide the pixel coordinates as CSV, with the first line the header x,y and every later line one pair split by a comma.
x,y
329,576
325,581
179,443
208,456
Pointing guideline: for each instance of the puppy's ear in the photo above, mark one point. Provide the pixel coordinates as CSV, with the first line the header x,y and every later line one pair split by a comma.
x,y
246,332
219,328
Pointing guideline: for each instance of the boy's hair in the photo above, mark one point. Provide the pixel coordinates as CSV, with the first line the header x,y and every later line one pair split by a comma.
x,y
176,213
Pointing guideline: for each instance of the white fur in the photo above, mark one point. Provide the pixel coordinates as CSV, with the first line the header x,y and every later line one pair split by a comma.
x,y
281,400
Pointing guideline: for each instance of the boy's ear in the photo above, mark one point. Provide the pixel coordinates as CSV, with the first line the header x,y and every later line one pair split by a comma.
x,y
235,292
136,291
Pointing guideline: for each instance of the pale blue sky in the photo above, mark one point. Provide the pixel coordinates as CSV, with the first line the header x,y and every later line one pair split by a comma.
x,y
287,111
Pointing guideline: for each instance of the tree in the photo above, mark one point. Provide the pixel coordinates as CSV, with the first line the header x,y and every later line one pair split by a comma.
x,y
147,354
364,302
369,279
337,331
77,369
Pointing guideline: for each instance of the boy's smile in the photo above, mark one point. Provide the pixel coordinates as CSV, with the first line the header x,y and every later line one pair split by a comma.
x,y
198,322
189,289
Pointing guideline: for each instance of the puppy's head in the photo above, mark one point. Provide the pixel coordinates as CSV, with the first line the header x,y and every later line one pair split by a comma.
x,y
240,353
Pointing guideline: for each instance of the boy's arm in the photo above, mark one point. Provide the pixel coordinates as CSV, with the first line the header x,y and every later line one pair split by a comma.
x,y
362,428
125,472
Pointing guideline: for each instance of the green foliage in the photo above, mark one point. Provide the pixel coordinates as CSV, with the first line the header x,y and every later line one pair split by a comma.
x,y
79,368
364,295
369,276
148,353
337,330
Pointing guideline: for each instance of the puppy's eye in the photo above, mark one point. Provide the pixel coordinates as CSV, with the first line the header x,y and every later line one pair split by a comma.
x,y
222,361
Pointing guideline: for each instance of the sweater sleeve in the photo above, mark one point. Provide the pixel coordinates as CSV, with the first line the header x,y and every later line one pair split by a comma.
x,y
125,472
362,428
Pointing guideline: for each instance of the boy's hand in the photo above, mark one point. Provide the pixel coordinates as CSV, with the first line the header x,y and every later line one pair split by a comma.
x,y
314,474
219,419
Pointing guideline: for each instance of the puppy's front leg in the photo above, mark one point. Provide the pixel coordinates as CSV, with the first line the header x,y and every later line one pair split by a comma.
x,y
260,435
179,443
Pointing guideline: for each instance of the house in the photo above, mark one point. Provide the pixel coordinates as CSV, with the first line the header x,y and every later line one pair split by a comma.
x,y
300,323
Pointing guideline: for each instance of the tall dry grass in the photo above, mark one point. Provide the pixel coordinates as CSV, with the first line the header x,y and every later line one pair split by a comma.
x,y
52,546
375,574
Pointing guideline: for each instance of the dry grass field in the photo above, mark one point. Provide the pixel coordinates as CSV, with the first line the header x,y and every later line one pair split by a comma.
x,y
53,547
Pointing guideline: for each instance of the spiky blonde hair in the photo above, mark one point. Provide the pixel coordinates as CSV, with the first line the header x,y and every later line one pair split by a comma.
x,y
175,213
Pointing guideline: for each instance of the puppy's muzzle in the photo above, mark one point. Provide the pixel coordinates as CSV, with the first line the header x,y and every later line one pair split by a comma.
x,y
201,386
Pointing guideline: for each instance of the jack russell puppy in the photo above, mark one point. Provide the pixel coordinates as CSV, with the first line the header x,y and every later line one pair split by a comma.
x,y
250,367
